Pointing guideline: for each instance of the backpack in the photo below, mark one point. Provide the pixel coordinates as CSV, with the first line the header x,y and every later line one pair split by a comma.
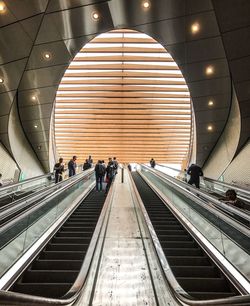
x,y
100,170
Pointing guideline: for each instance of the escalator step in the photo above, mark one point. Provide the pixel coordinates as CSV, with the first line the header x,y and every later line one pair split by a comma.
x,y
210,295
71,240
57,264
74,234
62,255
176,238
203,284
45,290
66,247
49,276
183,252
195,271
171,232
188,261
178,244
78,229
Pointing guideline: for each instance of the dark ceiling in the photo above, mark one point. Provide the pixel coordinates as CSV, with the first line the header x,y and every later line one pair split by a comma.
x,y
28,28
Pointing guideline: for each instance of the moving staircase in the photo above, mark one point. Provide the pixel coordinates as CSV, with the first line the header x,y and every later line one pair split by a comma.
x,y
55,269
194,270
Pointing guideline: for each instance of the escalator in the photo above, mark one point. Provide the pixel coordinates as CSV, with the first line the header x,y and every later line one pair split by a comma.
x,y
55,269
193,269
22,190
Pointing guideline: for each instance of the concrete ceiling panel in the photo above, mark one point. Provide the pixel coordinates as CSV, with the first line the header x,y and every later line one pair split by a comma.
x,y
57,51
14,43
35,96
197,71
74,23
240,69
197,6
6,100
43,77
11,73
220,101
36,112
58,5
39,137
26,8
210,87
232,14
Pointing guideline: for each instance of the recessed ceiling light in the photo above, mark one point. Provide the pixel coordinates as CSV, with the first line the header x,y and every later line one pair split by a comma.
x,y
95,16
39,147
209,70
195,27
146,4
1,80
47,56
33,98
210,128
35,126
2,7
210,103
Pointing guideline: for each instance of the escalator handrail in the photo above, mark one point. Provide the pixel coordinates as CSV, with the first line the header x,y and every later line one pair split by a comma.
x,y
5,189
19,299
220,205
181,295
224,184
13,207
74,180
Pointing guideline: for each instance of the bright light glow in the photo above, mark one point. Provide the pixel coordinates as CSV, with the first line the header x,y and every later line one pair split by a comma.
x,y
95,16
2,7
210,103
35,126
195,28
47,56
209,70
33,98
210,128
1,80
146,4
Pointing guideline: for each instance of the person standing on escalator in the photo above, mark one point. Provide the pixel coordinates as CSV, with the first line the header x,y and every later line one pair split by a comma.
x,y
59,169
195,172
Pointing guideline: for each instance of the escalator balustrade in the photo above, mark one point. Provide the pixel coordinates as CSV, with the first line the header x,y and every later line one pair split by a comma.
x,y
55,269
194,270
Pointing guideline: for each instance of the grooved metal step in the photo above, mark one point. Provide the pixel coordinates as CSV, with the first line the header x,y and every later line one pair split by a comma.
x,y
55,269
193,269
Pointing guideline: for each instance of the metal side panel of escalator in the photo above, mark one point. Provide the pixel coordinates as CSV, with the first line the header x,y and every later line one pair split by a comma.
x,y
193,269
55,269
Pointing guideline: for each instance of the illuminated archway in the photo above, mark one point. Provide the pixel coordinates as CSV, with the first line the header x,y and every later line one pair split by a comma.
x,y
123,95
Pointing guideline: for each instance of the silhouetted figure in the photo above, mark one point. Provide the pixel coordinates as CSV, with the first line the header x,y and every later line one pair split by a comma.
x,y
86,165
110,173
72,166
129,168
115,163
152,163
195,172
1,181
90,160
59,169
231,198
99,173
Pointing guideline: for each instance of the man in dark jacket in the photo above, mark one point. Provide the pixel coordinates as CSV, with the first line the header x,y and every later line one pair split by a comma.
x,y
86,165
195,172
72,166
59,169
99,173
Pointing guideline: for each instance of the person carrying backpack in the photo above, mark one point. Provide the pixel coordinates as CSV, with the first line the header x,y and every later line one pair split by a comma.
x,y
110,173
99,173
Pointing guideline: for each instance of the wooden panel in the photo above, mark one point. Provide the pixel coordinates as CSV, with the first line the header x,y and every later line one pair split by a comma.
x,y
122,97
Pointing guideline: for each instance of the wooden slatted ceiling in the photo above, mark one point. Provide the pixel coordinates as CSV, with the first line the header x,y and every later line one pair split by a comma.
x,y
124,96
